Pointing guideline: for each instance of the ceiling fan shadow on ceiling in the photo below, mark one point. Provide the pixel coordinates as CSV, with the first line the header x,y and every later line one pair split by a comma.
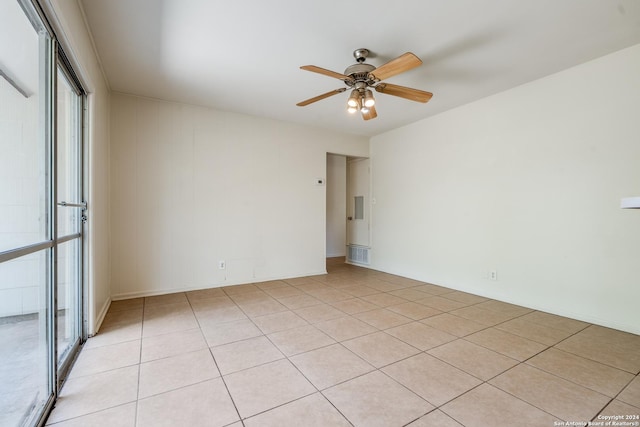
x,y
360,77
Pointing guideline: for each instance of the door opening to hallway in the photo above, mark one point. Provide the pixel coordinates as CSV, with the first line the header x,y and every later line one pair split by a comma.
x,y
348,208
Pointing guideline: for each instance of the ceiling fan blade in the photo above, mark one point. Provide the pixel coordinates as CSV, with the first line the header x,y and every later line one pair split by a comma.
x,y
319,97
326,72
372,114
403,63
404,92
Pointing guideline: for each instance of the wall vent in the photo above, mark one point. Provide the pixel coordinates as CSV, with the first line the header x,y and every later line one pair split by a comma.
x,y
358,254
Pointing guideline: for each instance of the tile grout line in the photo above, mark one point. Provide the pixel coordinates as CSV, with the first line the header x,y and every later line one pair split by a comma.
x,y
226,388
215,362
135,419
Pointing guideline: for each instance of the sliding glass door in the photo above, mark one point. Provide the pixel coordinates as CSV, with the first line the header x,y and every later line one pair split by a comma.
x,y
41,216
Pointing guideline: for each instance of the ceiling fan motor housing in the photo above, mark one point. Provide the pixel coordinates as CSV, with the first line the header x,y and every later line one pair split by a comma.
x,y
359,73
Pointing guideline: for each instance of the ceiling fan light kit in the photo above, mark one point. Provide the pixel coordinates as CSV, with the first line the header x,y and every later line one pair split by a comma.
x,y
360,77
368,99
354,99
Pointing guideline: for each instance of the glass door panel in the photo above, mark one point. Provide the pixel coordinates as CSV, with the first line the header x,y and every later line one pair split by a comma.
x,y
23,173
69,218
24,339
68,299
68,157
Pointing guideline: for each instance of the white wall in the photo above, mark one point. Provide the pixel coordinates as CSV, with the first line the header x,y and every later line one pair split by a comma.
x,y
528,183
336,205
192,186
68,19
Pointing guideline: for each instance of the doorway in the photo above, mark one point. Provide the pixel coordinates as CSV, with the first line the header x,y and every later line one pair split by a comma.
x,y
348,209
336,193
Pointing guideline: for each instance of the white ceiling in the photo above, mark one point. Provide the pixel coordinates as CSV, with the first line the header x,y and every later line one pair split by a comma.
x,y
244,56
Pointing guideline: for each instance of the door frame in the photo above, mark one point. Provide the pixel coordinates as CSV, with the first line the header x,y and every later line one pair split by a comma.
x,y
344,184
63,65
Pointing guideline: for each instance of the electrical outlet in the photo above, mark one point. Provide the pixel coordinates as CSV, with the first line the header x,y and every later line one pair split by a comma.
x,y
493,275
222,265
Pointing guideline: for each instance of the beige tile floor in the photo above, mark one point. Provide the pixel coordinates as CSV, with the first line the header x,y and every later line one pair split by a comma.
x,y
354,347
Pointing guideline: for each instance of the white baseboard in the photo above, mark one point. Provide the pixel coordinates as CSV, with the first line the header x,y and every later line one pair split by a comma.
x,y
151,293
100,318
343,253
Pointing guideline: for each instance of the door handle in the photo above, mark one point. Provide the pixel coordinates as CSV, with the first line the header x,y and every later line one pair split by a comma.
x,y
82,205
350,218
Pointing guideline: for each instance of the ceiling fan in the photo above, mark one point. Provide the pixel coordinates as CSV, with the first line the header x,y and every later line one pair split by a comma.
x,y
360,77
